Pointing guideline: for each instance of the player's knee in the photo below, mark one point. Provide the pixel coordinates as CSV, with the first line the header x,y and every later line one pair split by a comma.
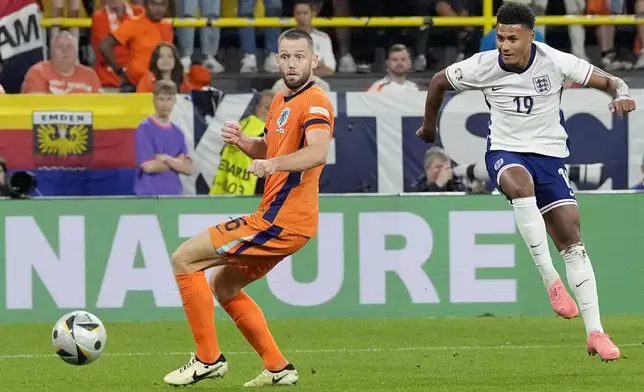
x,y
224,291
567,237
180,261
518,191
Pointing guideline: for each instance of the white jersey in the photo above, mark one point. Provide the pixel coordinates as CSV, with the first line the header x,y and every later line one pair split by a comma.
x,y
524,107
387,85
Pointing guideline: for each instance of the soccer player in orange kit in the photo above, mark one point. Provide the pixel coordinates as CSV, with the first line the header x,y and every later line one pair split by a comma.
x,y
290,155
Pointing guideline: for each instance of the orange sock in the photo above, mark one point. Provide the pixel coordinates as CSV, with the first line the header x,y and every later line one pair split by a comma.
x,y
199,306
251,322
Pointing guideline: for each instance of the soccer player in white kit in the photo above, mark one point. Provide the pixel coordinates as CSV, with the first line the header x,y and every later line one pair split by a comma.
x,y
526,147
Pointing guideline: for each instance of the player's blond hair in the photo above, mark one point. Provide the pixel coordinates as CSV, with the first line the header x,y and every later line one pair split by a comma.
x,y
165,87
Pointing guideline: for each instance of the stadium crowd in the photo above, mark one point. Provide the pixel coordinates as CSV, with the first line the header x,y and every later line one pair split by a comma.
x,y
130,47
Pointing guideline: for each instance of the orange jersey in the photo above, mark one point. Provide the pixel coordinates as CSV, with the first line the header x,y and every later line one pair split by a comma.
x,y
290,198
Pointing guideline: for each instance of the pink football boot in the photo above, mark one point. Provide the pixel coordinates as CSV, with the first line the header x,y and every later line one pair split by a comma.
x,y
561,301
600,343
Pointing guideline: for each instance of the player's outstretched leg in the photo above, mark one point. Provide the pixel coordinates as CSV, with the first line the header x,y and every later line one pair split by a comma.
x,y
517,185
189,261
227,283
563,225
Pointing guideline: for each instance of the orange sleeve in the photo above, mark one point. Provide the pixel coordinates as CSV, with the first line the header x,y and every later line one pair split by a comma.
x,y
145,84
35,82
317,113
167,33
126,31
100,31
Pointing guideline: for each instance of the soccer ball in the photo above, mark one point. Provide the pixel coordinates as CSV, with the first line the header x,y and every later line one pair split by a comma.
x,y
79,338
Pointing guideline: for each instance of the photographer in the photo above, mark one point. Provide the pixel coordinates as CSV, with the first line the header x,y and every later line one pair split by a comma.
x,y
438,176
17,186
4,189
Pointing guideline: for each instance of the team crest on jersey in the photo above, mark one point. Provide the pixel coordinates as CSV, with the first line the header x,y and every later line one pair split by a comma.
x,y
542,84
283,118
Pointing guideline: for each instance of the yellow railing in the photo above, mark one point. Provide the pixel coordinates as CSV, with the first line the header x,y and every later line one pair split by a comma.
x,y
486,21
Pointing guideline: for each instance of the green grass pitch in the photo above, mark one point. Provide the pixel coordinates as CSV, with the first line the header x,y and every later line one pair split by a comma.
x,y
477,354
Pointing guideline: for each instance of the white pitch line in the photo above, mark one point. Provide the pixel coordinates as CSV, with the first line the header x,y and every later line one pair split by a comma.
x,y
331,350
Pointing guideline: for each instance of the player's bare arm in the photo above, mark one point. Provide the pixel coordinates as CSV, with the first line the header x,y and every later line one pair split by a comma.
x,y
254,147
313,155
618,89
180,164
435,95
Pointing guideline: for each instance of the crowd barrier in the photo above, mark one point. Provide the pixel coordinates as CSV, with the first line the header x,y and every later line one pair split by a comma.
x,y
387,256
37,133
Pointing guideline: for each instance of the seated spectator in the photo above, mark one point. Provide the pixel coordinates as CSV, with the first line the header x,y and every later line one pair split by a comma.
x,y
304,12
611,58
161,151
246,9
73,11
209,36
438,175
164,65
488,42
1,89
104,22
141,35
62,74
398,68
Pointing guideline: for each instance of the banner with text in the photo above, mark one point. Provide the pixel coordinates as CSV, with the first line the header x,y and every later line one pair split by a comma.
x,y
84,145
381,256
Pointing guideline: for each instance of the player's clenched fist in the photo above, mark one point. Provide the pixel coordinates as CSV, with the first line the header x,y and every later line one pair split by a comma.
x,y
262,167
621,106
231,132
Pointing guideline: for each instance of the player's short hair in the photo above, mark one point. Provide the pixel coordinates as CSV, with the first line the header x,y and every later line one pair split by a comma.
x,y
165,87
295,34
433,154
395,48
511,13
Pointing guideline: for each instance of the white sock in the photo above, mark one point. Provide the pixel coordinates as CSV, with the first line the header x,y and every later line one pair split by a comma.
x,y
581,279
533,230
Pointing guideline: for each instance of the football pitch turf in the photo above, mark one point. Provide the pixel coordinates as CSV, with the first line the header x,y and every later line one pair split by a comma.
x,y
476,354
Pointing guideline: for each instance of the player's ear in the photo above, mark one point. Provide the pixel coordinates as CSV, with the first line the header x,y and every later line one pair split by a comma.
x,y
315,60
532,36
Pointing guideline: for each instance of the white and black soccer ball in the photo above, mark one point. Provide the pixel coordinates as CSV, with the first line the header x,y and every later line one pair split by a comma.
x,y
79,338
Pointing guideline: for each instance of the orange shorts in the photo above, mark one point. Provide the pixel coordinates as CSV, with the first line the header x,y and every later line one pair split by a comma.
x,y
253,244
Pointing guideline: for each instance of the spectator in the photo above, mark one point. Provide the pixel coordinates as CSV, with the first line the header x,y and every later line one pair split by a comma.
x,y
438,175
63,74
488,42
640,186
161,151
232,177
73,11
341,9
1,89
164,65
209,35
639,10
606,34
576,33
141,35
398,67
304,11
246,9
104,22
